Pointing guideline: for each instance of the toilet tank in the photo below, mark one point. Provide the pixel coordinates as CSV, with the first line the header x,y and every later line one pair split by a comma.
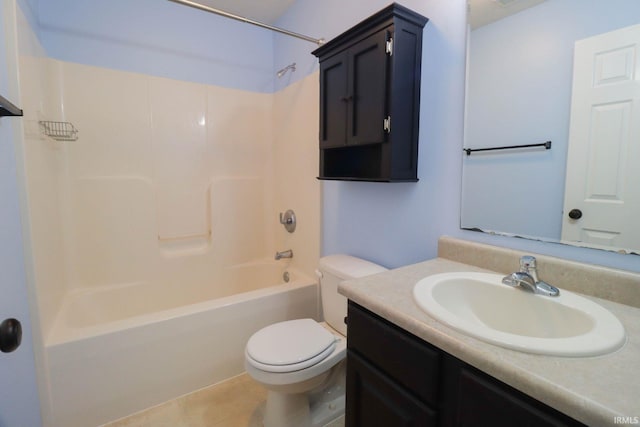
x,y
333,269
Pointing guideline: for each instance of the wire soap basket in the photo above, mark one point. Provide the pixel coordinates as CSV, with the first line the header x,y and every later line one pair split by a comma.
x,y
60,131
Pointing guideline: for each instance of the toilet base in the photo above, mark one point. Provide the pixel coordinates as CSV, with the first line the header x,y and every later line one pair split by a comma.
x,y
296,411
287,410
311,409
325,411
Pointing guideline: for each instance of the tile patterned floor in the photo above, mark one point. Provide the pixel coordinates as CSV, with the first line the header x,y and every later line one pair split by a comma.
x,y
238,402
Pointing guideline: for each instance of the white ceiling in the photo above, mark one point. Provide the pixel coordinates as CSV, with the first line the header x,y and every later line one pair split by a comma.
x,y
483,12
267,11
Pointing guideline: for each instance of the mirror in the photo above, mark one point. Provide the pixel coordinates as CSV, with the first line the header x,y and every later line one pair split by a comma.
x,y
523,89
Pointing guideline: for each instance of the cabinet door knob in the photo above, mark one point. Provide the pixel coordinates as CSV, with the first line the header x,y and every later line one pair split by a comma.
x,y
10,335
575,214
346,98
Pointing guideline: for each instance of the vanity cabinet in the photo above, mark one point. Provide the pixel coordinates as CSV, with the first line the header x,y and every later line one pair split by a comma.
x,y
370,98
396,379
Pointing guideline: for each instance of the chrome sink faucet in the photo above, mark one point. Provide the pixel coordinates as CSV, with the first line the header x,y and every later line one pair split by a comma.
x,y
284,254
527,278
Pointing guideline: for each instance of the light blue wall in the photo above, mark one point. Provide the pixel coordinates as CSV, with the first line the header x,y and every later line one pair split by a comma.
x,y
398,224
30,10
160,38
324,20
519,92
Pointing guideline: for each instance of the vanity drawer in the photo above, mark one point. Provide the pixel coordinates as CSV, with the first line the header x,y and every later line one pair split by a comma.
x,y
413,363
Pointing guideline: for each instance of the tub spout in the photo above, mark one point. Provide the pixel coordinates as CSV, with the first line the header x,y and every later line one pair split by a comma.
x,y
284,254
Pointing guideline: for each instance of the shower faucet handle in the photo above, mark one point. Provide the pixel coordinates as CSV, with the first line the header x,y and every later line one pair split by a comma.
x,y
288,219
284,220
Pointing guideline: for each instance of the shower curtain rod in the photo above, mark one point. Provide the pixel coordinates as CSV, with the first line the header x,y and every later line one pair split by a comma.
x,y
195,5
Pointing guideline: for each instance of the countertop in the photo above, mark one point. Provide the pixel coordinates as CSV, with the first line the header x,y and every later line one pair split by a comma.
x,y
593,390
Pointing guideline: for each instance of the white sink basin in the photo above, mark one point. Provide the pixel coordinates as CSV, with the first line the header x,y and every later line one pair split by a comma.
x,y
478,304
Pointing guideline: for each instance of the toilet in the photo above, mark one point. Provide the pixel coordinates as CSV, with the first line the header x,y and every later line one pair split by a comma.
x,y
302,362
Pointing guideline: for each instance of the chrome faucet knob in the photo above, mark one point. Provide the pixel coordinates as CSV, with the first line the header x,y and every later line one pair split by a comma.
x,y
528,265
527,262
527,276
288,219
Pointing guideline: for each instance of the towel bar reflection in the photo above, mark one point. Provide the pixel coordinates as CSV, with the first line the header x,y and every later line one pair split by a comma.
x,y
546,145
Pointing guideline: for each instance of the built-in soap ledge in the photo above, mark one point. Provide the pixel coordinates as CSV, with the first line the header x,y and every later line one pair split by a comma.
x,y
601,282
185,246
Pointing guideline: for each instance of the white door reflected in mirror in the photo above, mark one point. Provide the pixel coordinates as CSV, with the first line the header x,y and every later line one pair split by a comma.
x,y
519,92
604,142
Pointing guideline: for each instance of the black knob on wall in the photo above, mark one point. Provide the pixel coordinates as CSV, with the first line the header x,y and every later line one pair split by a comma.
x,y
575,214
10,335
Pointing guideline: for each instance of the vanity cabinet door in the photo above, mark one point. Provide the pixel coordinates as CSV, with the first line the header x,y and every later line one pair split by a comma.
x,y
374,399
472,398
413,364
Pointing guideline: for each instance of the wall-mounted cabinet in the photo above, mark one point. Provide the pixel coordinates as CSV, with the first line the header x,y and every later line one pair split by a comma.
x,y
370,99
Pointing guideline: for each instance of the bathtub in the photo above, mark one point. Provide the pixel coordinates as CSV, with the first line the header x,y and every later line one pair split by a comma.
x,y
118,350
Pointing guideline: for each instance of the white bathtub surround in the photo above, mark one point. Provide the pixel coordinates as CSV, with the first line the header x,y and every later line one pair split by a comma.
x,y
296,137
44,163
102,369
167,180
180,162
145,227
158,178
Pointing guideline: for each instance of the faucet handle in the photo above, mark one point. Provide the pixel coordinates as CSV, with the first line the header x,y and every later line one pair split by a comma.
x,y
527,262
288,219
528,265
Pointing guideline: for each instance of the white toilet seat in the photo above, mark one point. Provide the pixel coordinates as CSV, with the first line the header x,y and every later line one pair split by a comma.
x,y
293,367
290,346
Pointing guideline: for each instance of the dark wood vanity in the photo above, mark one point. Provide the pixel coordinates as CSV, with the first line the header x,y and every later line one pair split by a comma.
x,y
396,379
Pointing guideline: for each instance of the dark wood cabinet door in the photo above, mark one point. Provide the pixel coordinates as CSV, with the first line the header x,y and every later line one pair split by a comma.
x,y
334,101
474,399
353,90
375,400
368,90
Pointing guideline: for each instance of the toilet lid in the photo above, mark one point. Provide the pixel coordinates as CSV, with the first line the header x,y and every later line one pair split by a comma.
x,y
290,346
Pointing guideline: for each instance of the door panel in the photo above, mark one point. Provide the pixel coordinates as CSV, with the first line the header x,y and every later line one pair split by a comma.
x,y
368,76
333,102
604,141
374,399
